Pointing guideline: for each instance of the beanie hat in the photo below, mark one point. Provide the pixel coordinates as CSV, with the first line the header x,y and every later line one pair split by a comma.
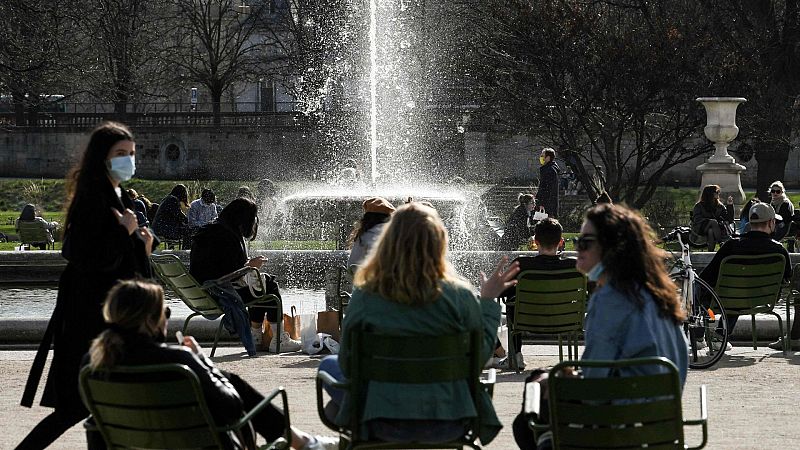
x,y
378,205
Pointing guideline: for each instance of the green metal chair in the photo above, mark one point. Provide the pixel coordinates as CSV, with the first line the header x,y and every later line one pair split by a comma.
x,y
173,273
550,302
343,275
34,232
751,284
406,359
163,406
614,412
792,299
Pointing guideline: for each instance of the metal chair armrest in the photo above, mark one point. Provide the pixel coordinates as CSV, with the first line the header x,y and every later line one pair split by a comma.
x,y
325,378
259,407
238,273
703,420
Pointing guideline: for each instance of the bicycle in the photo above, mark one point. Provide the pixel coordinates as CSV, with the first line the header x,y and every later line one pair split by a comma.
x,y
706,325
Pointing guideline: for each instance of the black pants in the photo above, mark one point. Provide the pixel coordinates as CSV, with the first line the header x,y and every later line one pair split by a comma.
x,y
269,422
52,427
257,314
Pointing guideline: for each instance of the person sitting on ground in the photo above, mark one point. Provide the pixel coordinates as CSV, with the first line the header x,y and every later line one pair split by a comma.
x,y
547,238
710,218
137,328
203,210
783,207
634,312
139,208
758,241
407,287
517,230
170,222
219,249
377,211
28,214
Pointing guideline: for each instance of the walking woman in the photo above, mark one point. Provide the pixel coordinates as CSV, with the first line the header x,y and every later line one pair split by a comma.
x,y
102,244
711,219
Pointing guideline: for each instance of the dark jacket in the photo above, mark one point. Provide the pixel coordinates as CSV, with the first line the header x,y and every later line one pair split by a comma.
x,y
750,243
547,195
222,399
701,215
516,231
170,222
99,252
786,211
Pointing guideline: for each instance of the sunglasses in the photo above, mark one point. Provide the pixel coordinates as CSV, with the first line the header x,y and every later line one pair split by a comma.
x,y
582,243
776,191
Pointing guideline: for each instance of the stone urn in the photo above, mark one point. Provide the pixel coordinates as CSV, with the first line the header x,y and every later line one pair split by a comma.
x,y
721,168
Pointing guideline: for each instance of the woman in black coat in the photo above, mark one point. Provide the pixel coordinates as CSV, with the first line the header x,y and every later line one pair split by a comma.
x,y
170,222
517,231
102,244
710,218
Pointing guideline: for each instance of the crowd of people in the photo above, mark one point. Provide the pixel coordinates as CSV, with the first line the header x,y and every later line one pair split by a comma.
x,y
404,285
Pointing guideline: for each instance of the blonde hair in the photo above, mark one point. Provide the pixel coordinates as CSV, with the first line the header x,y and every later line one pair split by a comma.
x,y
131,306
408,262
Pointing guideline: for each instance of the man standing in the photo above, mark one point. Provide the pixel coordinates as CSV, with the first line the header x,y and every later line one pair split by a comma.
x,y
547,196
757,241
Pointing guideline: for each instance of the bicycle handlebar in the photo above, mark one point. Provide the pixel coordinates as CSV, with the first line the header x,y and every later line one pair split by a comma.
x,y
673,235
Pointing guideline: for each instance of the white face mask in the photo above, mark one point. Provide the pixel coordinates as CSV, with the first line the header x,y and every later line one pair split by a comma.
x,y
122,168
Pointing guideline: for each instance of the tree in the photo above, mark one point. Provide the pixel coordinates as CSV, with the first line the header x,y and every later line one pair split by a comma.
x,y
216,45
612,84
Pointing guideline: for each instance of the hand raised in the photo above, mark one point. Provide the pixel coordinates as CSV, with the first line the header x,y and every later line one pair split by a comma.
x,y
500,280
127,219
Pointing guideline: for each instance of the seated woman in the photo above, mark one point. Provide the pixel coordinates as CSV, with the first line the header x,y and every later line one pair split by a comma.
x,y
137,328
170,222
408,287
28,214
634,311
366,231
219,249
783,207
710,218
517,230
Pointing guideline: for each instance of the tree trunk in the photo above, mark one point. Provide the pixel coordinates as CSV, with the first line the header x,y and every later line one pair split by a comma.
x,y
216,101
771,160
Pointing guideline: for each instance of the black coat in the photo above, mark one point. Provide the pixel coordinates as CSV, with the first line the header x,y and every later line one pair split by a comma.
x,y
99,252
170,222
547,195
516,231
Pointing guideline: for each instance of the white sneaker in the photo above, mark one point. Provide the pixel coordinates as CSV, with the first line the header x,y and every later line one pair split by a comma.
x,y
716,345
287,344
258,336
321,442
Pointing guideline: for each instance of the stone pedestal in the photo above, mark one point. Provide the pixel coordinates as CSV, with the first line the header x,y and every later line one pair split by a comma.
x,y
727,176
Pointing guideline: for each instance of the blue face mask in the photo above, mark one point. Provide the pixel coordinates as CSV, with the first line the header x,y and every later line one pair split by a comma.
x,y
122,168
596,271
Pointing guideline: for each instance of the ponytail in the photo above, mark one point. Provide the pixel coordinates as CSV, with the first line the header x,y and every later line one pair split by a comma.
x,y
106,350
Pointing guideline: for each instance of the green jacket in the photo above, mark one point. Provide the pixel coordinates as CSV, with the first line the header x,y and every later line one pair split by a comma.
x,y
456,310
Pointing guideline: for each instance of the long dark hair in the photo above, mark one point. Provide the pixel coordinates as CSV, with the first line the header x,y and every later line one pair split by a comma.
x,y
707,197
241,214
28,213
181,193
367,221
632,260
90,176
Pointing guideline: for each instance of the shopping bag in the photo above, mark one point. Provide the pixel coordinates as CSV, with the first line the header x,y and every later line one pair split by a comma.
x,y
291,325
310,341
328,323
502,336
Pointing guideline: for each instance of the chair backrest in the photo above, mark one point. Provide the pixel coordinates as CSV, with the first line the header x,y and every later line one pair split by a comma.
x,y
412,360
33,231
617,412
750,281
550,301
158,406
173,273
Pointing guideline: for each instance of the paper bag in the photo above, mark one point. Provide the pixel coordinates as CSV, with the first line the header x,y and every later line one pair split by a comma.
x,y
310,342
328,323
291,324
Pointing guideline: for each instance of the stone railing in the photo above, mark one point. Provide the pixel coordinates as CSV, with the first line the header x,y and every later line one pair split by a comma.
x,y
83,121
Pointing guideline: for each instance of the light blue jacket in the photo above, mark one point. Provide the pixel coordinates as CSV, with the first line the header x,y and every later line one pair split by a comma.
x,y
617,328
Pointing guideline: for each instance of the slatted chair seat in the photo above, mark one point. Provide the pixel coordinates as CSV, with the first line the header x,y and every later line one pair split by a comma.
x,y
33,232
750,285
162,406
412,360
550,302
642,411
173,273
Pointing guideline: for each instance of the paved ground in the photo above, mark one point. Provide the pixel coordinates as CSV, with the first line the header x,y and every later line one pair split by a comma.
x,y
753,396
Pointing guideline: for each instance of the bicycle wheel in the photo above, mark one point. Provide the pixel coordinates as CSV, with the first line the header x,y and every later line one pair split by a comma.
x,y
706,325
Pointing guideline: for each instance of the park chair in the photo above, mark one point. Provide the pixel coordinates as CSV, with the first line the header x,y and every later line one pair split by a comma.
x,y
615,412
792,299
173,273
549,302
344,276
34,232
163,406
751,284
412,360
